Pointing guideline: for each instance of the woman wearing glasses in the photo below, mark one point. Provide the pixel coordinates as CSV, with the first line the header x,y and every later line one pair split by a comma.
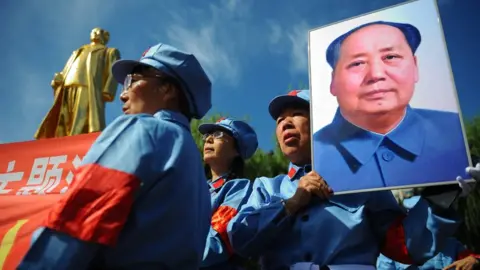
x,y
227,144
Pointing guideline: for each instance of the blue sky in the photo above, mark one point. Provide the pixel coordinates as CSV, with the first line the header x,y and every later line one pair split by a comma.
x,y
251,49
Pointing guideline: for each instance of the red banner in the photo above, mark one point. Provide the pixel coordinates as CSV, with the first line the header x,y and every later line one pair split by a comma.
x,y
42,168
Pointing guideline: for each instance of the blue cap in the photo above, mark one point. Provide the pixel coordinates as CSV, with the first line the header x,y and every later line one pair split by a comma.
x,y
242,132
279,103
410,202
182,66
412,35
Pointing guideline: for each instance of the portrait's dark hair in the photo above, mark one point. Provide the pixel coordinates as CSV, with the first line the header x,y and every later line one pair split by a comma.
x,y
237,168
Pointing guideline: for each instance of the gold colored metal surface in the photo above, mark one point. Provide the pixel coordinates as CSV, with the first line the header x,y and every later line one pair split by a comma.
x,y
81,90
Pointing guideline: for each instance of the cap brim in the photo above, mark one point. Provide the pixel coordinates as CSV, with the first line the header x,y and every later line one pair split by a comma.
x,y
278,104
122,68
206,128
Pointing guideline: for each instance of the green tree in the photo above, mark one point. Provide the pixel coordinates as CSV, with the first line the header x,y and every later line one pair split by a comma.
x,y
469,232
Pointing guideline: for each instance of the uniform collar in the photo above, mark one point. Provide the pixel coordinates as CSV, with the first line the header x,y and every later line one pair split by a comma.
x,y
409,135
173,117
219,182
295,172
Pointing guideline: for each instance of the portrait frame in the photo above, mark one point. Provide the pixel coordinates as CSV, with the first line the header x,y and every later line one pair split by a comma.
x,y
321,103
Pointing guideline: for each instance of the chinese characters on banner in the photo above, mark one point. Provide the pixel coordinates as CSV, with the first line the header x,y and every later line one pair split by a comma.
x,y
33,176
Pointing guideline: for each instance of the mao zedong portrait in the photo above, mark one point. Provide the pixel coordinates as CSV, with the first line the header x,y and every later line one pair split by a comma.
x,y
376,139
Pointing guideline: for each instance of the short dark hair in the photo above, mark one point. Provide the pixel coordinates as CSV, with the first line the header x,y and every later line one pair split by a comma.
x,y
183,103
237,169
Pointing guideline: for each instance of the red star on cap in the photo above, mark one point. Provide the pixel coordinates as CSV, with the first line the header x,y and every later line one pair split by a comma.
x,y
293,92
145,52
221,119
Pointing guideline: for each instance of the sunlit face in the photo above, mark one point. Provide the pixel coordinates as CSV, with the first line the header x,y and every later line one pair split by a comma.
x,y
219,147
98,35
293,134
376,71
142,94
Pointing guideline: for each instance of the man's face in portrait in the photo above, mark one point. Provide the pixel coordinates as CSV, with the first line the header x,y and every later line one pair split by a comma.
x,y
375,73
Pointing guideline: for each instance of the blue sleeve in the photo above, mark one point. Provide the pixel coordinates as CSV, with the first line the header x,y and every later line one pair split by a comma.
x,y
59,251
385,263
258,221
409,239
218,248
122,160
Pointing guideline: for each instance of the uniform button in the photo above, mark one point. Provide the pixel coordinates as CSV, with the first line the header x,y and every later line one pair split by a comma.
x,y
304,218
387,155
307,257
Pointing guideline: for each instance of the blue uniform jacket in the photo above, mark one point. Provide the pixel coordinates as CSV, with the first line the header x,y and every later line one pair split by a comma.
x,y
227,196
140,201
451,252
428,146
347,229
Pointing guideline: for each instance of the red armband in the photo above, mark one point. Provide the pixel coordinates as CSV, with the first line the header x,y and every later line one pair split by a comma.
x,y
219,223
97,207
394,245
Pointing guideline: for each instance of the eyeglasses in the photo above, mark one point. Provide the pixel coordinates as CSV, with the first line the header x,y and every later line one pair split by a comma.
x,y
132,78
215,135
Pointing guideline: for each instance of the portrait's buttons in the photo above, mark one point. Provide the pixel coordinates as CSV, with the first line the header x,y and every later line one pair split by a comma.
x,y
387,156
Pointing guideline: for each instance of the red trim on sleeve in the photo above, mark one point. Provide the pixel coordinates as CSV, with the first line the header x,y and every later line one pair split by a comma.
x,y
466,253
219,223
97,207
463,254
394,245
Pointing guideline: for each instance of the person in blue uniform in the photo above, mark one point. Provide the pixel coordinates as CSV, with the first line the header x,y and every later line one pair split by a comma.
x,y
140,198
292,220
228,143
453,253
376,139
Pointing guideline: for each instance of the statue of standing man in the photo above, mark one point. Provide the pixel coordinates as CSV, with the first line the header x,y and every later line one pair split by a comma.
x,y
81,90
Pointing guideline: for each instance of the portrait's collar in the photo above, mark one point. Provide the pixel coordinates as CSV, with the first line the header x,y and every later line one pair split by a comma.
x,y
362,144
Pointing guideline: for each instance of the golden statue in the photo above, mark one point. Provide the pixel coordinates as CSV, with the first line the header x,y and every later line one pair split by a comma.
x,y
81,90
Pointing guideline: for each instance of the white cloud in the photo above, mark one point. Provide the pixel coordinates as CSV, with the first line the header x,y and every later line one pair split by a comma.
x,y
204,44
275,32
209,34
296,38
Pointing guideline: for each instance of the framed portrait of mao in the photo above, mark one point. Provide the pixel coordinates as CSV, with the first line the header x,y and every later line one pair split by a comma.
x,y
384,107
